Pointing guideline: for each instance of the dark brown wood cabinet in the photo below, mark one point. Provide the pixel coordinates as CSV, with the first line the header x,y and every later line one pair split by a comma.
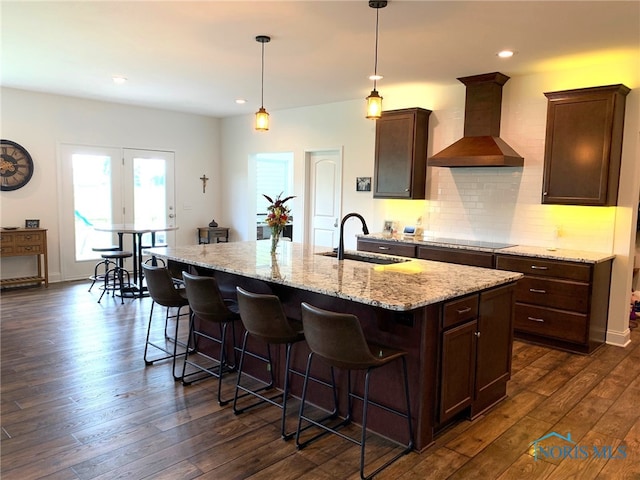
x,y
401,154
459,256
559,303
475,355
390,248
584,145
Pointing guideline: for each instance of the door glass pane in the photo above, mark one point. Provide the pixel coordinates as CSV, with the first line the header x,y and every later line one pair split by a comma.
x,y
149,196
92,203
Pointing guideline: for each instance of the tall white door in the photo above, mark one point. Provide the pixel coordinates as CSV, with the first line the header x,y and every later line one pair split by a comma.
x,y
324,184
105,185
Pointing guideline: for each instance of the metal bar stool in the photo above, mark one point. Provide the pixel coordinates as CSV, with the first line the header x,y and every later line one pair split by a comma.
x,y
114,277
337,339
264,319
208,306
105,264
163,291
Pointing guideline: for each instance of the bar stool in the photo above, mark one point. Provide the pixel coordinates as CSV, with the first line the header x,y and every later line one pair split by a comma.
x,y
208,306
337,339
264,319
105,263
163,291
116,274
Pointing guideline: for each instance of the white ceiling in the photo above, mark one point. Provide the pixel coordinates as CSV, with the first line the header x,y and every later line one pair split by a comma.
x,y
200,56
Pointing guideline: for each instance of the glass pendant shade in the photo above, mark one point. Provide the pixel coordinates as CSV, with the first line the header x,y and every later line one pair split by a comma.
x,y
262,119
374,105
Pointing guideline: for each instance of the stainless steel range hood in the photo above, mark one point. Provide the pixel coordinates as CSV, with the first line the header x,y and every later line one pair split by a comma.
x,y
481,145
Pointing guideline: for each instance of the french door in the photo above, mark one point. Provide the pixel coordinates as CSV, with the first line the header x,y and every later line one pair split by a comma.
x,y
106,185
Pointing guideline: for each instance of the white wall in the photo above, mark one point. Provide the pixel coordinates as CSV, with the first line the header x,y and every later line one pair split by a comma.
x,y
40,121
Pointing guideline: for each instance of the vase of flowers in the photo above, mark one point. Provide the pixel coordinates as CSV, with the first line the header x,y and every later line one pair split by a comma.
x,y
278,216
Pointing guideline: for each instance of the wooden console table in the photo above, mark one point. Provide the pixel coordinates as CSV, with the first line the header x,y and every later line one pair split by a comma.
x,y
206,234
24,242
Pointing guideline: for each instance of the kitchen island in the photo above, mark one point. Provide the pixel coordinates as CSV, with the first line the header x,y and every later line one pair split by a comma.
x,y
455,321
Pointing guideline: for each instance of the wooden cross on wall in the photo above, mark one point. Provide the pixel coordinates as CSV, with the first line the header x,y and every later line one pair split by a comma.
x,y
204,182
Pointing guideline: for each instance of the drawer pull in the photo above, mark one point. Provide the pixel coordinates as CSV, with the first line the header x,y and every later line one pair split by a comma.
x,y
537,290
462,311
537,267
534,319
28,249
383,248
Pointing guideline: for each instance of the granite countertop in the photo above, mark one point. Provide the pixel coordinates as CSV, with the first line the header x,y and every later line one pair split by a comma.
x,y
403,286
563,254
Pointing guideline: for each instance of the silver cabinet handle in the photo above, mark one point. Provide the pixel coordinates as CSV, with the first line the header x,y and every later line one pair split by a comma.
x,y
536,290
536,267
380,247
477,334
463,310
534,319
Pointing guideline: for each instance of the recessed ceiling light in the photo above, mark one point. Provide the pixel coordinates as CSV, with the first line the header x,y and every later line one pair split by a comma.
x,y
119,79
240,101
506,53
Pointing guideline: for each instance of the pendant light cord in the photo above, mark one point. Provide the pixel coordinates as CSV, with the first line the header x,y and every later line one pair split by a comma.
x,y
375,63
262,80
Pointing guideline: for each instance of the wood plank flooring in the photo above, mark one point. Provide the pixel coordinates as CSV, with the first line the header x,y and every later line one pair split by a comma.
x,y
78,402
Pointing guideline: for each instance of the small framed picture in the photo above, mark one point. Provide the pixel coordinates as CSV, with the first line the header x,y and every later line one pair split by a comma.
x,y
32,223
363,184
388,226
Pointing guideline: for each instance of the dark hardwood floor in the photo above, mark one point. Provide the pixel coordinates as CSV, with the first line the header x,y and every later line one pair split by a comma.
x,y
79,403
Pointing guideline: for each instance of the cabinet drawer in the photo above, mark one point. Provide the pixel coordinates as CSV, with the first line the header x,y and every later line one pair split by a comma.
x,y
550,322
456,255
28,249
553,293
6,239
545,268
390,248
7,249
28,238
459,311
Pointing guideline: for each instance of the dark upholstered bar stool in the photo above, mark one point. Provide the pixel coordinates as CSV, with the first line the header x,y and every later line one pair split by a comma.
x,y
163,291
337,339
114,278
264,319
210,309
101,268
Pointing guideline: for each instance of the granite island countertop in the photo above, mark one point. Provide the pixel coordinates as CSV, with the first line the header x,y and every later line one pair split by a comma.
x,y
582,256
403,286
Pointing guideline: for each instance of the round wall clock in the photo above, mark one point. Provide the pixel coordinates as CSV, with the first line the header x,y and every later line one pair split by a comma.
x,y
16,166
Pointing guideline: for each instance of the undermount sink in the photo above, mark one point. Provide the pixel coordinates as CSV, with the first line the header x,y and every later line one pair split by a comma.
x,y
366,258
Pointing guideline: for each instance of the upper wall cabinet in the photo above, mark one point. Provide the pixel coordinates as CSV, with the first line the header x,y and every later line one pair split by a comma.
x,y
584,145
401,153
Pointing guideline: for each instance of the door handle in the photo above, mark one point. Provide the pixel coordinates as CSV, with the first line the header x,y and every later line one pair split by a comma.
x,y
171,215
335,224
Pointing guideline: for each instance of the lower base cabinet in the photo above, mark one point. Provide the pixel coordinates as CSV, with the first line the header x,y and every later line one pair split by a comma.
x,y
475,353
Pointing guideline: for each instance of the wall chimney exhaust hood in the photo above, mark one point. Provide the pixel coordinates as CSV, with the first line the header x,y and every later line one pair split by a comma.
x,y
481,145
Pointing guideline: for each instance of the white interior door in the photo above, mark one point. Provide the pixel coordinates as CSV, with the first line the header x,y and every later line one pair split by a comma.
x,y
107,185
324,181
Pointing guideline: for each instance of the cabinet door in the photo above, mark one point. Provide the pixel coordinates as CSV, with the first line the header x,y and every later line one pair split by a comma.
x,y
495,340
583,146
401,154
458,366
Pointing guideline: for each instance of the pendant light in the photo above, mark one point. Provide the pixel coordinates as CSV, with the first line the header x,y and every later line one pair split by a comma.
x,y
374,100
262,116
